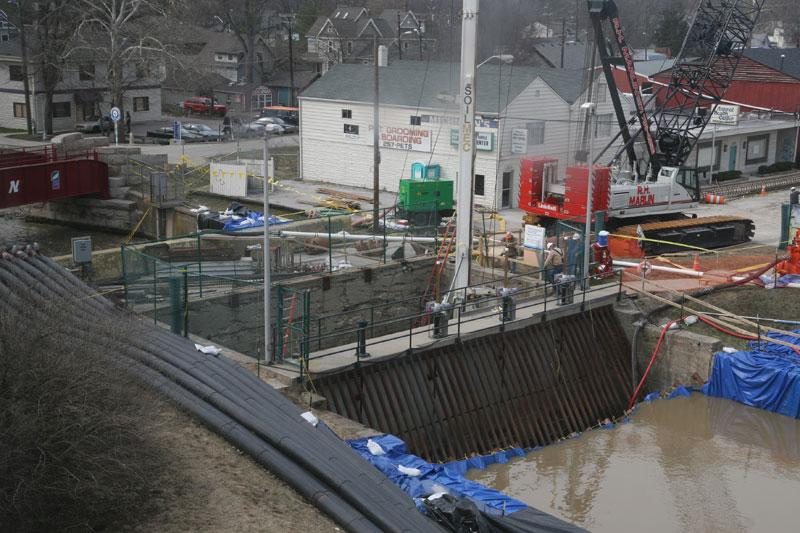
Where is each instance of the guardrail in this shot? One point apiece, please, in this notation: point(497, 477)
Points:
point(500, 301)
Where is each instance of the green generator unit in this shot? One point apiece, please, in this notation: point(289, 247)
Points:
point(425, 199)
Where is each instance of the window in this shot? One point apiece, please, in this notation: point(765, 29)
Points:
point(602, 126)
point(141, 103)
point(331, 48)
point(757, 148)
point(19, 110)
point(405, 46)
point(347, 113)
point(15, 73)
point(647, 88)
point(142, 70)
point(351, 129)
point(535, 133)
point(704, 156)
point(600, 97)
point(479, 185)
point(86, 72)
point(61, 110)
point(415, 120)
point(349, 47)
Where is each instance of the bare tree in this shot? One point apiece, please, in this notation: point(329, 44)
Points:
point(120, 34)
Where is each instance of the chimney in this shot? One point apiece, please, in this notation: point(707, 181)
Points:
point(383, 56)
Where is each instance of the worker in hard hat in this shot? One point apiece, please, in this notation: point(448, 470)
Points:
point(511, 251)
point(554, 262)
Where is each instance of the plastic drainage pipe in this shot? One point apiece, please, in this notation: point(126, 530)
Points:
point(343, 235)
point(693, 273)
point(307, 485)
point(363, 497)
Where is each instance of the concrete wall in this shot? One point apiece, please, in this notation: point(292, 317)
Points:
point(682, 354)
point(236, 319)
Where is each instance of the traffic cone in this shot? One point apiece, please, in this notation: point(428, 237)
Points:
point(763, 190)
point(696, 265)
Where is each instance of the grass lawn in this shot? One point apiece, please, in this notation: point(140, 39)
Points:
point(10, 130)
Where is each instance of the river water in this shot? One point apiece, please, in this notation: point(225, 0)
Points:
point(53, 239)
point(686, 464)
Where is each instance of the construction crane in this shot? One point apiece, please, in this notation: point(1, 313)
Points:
point(649, 201)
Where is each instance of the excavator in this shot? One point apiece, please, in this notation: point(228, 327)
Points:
point(646, 196)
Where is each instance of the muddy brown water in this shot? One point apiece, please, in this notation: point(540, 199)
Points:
point(686, 464)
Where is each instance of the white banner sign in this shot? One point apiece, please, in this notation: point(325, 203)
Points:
point(725, 114)
point(534, 237)
point(410, 138)
point(228, 179)
point(519, 140)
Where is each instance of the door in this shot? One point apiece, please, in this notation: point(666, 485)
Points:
point(505, 195)
point(732, 158)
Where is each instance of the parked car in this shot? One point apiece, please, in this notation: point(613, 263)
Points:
point(93, 124)
point(201, 129)
point(163, 135)
point(287, 114)
point(287, 128)
point(201, 104)
point(242, 128)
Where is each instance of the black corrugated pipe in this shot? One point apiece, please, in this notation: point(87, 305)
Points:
point(707, 290)
point(305, 484)
point(260, 421)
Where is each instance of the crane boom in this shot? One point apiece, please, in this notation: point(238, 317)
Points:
point(701, 74)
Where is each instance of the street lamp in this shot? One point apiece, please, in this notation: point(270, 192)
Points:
point(645, 45)
point(782, 57)
point(590, 108)
point(410, 32)
point(505, 58)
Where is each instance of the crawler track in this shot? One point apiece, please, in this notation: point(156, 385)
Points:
point(705, 232)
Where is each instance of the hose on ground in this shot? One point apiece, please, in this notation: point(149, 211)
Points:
point(702, 292)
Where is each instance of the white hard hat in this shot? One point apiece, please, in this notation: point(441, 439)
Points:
point(549, 245)
point(792, 188)
point(576, 236)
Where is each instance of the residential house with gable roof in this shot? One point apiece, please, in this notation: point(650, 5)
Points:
point(347, 36)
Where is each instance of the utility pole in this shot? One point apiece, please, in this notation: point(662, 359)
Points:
point(267, 293)
point(563, 38)
point(399, 34)
point(26, 81)
point(376, 154)
point(291, 62)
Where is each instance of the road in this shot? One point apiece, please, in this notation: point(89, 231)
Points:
point(198, 153)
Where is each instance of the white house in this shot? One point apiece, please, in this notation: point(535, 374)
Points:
point(521, 111)
point(79, 94)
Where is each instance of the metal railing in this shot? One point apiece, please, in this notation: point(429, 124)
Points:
point(506, 304)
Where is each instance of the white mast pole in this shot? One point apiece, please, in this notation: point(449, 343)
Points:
point(466, 145)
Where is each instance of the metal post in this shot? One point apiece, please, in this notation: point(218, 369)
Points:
point(587, 239)
point(361, 351)
point(376, 154)
point(469, 26)
point(186, 303)
point(267, 296)
point(330, 246)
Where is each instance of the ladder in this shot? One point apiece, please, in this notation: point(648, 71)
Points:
point(432, 286)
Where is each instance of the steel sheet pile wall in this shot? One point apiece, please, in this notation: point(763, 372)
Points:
point(528, 387)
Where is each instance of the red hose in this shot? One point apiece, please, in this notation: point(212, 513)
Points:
point(748, 337)
point(661, 338)
point(652, 360)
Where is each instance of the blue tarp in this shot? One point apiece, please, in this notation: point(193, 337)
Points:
point(433, 478)
point(768, 378)
point(254, 219)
